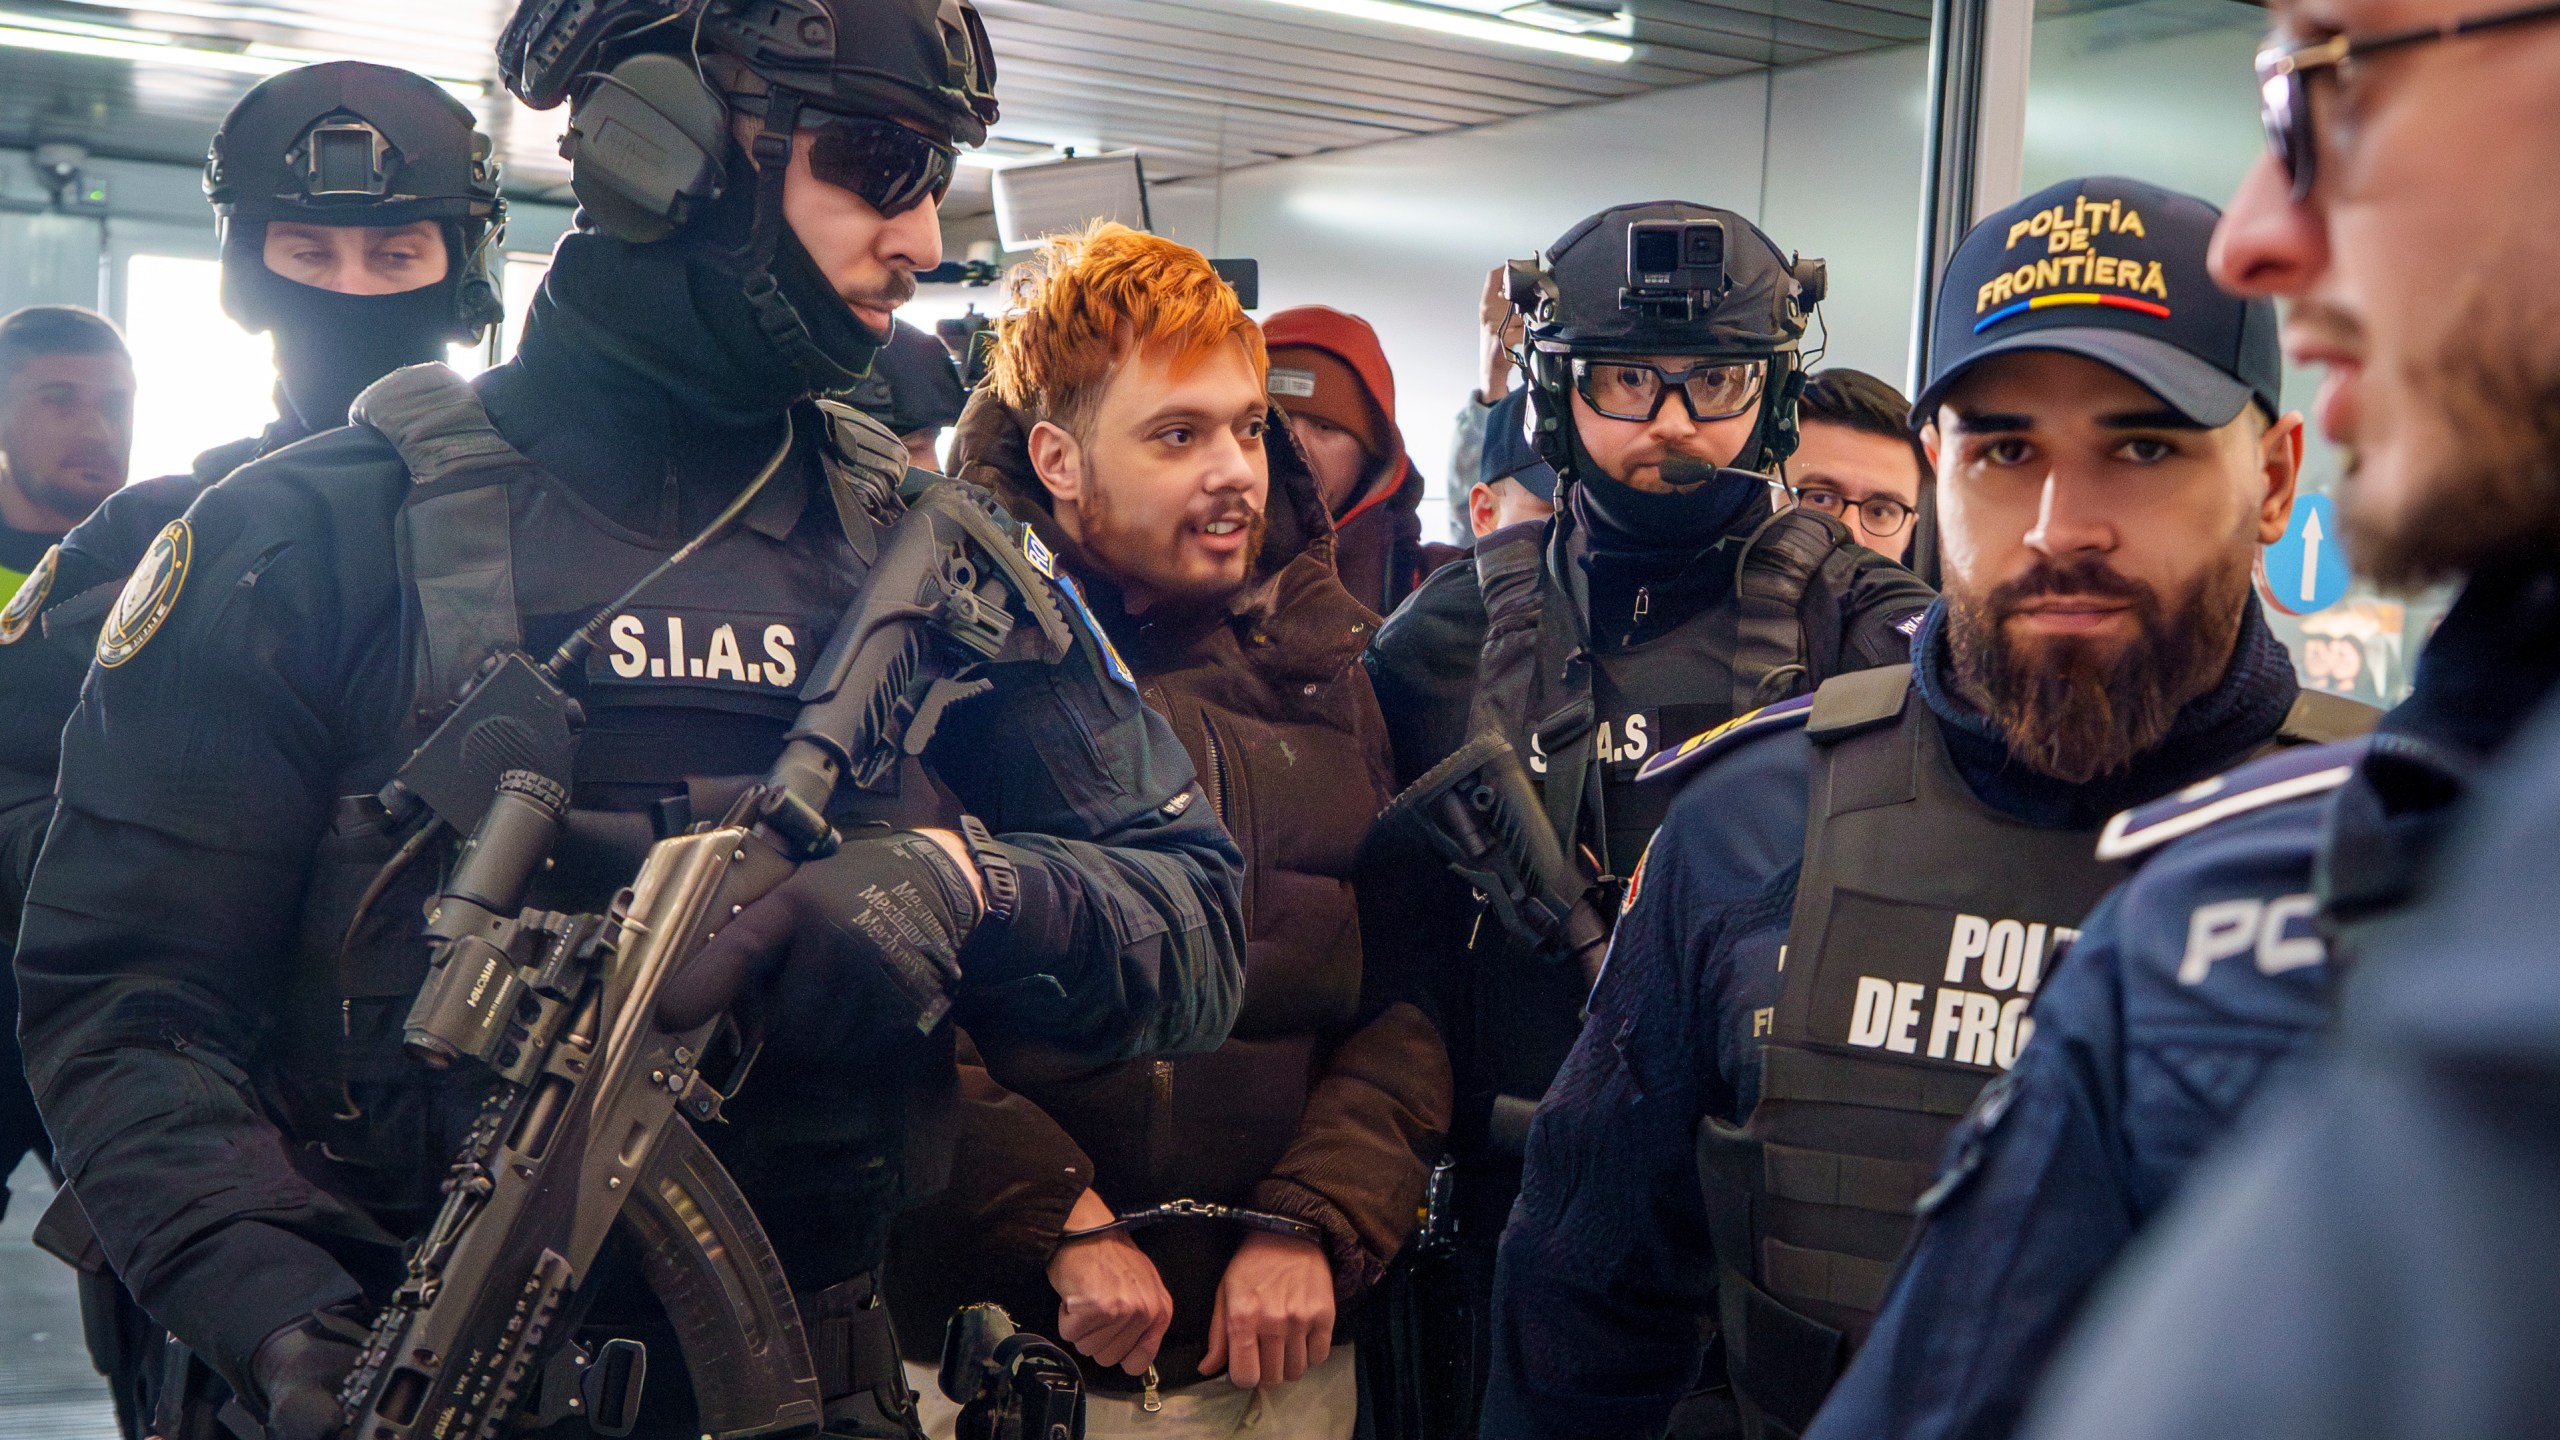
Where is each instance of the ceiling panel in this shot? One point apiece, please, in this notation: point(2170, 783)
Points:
point(1197, 85)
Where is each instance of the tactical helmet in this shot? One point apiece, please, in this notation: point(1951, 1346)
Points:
point(1666, 278)
point(347, 143)
point(928, 60)
point(656, 85)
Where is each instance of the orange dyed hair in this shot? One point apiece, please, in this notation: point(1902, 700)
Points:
point(1092, 297)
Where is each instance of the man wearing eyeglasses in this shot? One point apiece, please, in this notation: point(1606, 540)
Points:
point(223, 937)
point(2373, 1255)
point(1857, 460)
point(1664, 361)
point(1856, 896)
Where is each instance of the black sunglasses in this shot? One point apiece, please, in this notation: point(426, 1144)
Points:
point(894, 169)
point(2284, 92)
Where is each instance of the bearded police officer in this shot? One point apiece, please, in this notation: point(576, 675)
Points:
point(222, 937)
point(1663, 597)
point(1837, 933)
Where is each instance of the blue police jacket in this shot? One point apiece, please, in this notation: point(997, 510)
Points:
point(2373, 1254)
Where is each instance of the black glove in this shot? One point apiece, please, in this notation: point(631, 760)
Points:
point(896, 908)
point(298, 1369)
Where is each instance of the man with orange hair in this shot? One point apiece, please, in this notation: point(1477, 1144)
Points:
point(1197, 1229)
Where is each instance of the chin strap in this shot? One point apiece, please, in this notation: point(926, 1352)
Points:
point(780, 320)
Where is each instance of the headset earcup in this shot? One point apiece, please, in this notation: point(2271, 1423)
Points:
point(1783, 429)
point(645, 146)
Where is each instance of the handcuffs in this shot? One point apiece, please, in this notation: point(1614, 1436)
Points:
point(1189, 1209)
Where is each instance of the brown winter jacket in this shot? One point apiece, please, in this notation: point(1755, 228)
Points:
point(1334, 1092)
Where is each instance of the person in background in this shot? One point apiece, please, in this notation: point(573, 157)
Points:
point(1330, 377)
point(914, 388)
point(1858, 462)
point(1498, 331)
point(66, 432)
point(1125, 418)
point(1514, 483)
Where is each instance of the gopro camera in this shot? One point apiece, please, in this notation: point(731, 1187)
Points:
point(1672, 265)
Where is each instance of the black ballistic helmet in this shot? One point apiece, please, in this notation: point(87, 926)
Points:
point(347, 143)
point(657, 84)
point(925, 60)
point(1666, 278)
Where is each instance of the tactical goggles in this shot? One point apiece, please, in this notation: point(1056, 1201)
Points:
point(2284, 80)
point(894, 169)
point(1634, 389)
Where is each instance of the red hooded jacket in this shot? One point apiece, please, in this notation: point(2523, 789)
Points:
point(1380, 554)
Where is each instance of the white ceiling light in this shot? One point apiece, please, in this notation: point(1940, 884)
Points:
point(152, 47)
point(1472, 27)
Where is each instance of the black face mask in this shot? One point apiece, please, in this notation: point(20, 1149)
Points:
point(1622, 519)
point(329, 346)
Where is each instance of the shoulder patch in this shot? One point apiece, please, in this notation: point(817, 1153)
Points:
point(1698, 749)
point(148, 596)
point(2270, 780)
point(1111, 660)
point(1909, 625)
point(20, 615)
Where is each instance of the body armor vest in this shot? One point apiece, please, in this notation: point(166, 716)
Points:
point(1586, 724)
point(686, 699)
point(1924, 923)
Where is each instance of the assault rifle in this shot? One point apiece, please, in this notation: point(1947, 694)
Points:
point(589, 1125)
point(1478, 811)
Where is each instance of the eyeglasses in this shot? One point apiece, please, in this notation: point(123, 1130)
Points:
point(894, 169)
point(1878, 515)
point(2284, 91)
point(1634, 390)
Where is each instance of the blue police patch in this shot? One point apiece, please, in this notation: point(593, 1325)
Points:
point(1111, 660)
point(2270, 780)
point(1698, 749)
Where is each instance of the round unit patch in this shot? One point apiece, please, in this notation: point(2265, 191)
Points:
point(23, 607)
point(148, 597)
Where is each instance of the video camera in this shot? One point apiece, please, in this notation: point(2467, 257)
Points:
point(1675, 268)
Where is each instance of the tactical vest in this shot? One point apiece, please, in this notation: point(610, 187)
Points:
point(1585, 725)
point(1924, 923)
point(686, 699)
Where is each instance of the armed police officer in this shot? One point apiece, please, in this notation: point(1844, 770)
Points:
point(1855, 895)
point(223, 939)
point(358, 215)
point(1663, 349)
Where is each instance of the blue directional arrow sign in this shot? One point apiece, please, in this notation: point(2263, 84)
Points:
point(2306, 571)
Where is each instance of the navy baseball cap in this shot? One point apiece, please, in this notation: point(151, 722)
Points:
point(1510, 453)
point(2113, 270)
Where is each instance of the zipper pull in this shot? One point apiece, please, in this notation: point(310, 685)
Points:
point(1644, 601)
point(1148, 1399)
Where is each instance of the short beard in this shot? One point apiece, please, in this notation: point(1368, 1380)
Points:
point(2489, 393)
point(2064, 707)
point(1119, 547)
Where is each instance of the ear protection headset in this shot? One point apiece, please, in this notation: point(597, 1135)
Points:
point(648, 146)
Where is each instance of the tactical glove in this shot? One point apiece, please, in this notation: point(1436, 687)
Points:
point(297, 1370)
point(895, 908)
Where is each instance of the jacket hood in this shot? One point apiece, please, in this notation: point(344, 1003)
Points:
point(1293, 571)
point(1350, 339)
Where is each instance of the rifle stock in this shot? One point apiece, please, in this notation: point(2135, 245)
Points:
point(589, 1123)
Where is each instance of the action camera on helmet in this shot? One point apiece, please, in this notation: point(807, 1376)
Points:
point(1675, 268)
